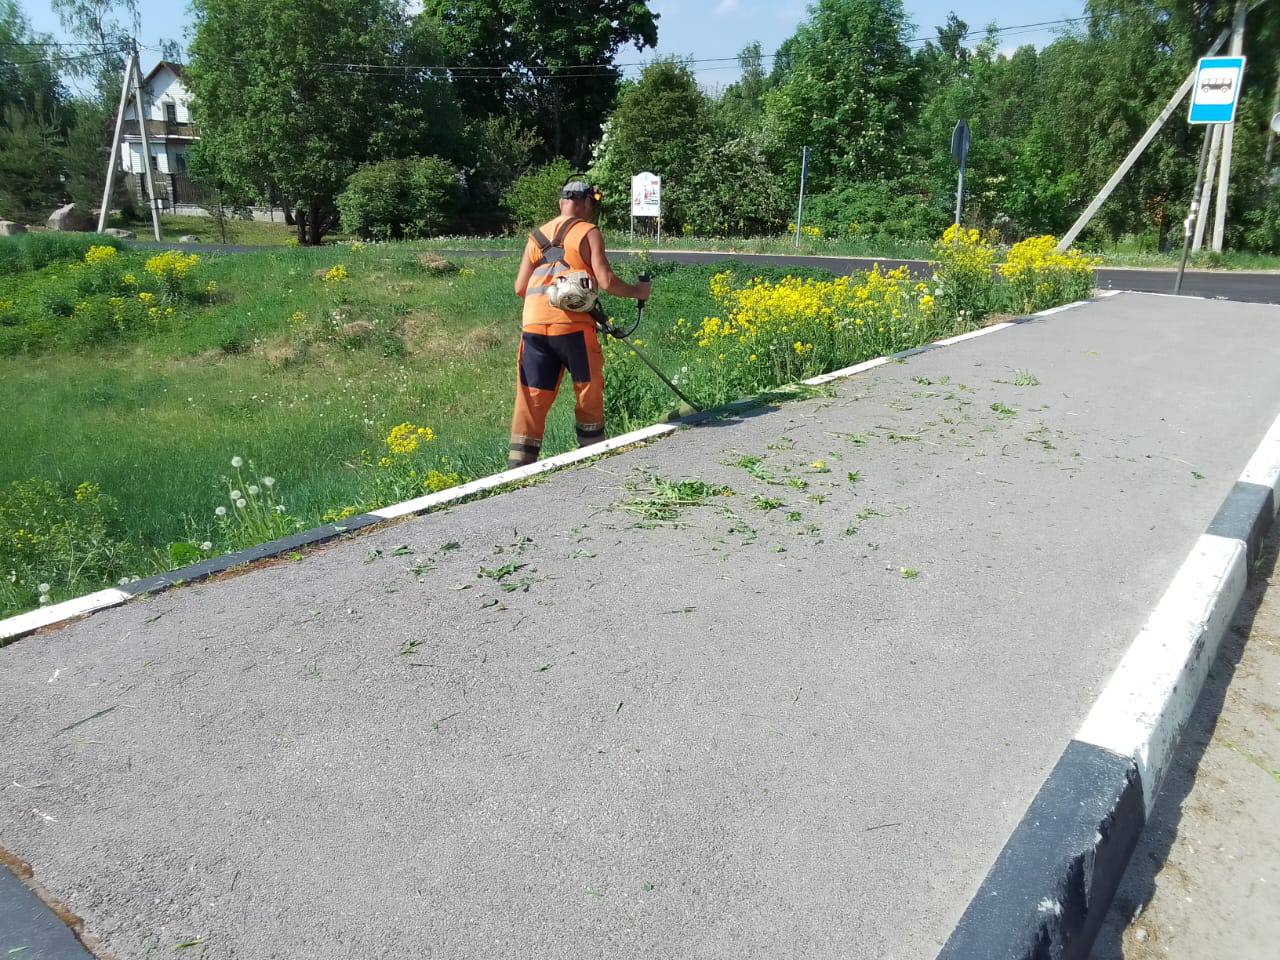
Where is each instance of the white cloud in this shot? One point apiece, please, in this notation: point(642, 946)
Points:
point(726, 7)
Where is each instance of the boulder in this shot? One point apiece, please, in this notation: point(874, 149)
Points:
point(188, 238)
point(71, 219)
point(10, 229)
point(120, 234)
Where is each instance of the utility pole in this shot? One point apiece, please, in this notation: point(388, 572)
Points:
point(1228, 137)
point(1206, 191)
point(804, 173)
point(140, 113)
point(1109, 187)
point(1272, 130)
point(1192, 213)
point(108, 191)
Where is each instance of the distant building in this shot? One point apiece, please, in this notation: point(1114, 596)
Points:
point(167, 106)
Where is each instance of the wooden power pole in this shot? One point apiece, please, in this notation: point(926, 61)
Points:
point(1228, 137)
point(108, 191)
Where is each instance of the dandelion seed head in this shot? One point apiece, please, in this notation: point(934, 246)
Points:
point(235, 495)
point(253, 490)
point(44, 588)
point(237, 462)
point(221, 511)
point(268, 482)
point(242, 503)
point(206, 546)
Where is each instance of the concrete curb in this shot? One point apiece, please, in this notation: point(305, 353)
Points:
point(24, 624)
point(1051, 886)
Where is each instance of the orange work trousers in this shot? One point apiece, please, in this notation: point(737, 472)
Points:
point(547, 350)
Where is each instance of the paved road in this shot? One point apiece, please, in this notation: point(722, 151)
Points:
point(802, 731)
point(1221, 284)
point(1203, 883)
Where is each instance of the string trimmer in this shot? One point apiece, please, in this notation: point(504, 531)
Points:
point(618, 333)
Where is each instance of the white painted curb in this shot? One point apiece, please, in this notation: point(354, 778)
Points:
point(1144, 706)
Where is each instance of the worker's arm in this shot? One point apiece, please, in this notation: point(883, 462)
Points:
point(524, 273)
point(607, 280)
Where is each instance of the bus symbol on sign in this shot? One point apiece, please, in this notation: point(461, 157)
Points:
point(1217, 90)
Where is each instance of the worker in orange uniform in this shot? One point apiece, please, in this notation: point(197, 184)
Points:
point(561, 273)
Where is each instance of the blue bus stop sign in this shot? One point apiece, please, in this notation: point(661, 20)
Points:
point(1217, 90)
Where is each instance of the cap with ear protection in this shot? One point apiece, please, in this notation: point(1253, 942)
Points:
point(581, 190)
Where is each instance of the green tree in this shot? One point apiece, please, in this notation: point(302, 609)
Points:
point(741, 107)
point(111, 25)
point(553, 61)
point(659, 126)
point(850, 89)
point(531, 199)
point(276, 114)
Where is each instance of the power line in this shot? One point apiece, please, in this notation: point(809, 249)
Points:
point(581, 71)
point(458, 70)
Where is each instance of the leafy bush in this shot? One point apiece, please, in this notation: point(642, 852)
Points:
point(1039, 277)
point(731, 191)
point(966, 284)
point(532, 199)
point(394, 199)
point(33, 251)
point(874, 209)
point(52, 539)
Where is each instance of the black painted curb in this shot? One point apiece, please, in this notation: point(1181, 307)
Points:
point(1048, 893)
point(1050, 888)
point(28, 928)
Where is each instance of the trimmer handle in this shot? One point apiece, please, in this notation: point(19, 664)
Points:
point(644, 278)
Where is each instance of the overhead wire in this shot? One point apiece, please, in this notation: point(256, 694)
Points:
point(506, 72)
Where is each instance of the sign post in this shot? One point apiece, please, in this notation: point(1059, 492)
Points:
point(646, 199)
point(1215, 94)
point(960, 154)
point(804, 175)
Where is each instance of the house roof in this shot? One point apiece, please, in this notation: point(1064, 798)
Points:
point(175, 67)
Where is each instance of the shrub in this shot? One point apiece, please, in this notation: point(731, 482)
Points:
point(532, 199)
point(873, 210)
point(731, 191)
point(395, 199)
point(52, 539)
point(1039, 277)
point(966, 283)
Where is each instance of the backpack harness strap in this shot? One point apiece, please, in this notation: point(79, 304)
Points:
point(551, 262)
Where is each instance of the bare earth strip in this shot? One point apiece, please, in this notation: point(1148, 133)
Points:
point(803, 731)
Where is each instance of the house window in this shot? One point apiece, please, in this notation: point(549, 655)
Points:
point(170, 112)
point(155, 163)
point(180, 162)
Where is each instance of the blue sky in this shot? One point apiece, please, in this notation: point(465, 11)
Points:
point(697, 28)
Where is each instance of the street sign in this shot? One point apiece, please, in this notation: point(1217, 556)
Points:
point(646, 195)
point(1275, 123)
point(1216, 90)
point(960, 142)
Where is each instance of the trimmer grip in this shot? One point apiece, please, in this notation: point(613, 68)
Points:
point(643, 278)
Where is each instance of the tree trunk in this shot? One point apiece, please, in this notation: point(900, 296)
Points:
point(300, 221)
point(317, 228)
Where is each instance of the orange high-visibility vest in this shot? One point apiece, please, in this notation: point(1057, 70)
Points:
point(537, 309)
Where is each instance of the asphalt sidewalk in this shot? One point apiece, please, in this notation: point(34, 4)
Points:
point(555, 723)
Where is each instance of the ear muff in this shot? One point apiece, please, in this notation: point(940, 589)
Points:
point(596, 195)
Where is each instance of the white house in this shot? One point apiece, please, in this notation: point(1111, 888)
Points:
point(167, 108)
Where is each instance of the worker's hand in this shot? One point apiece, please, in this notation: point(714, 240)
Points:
point(643, 289)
